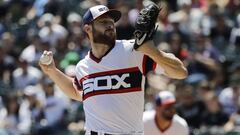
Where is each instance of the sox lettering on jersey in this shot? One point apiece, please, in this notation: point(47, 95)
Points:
point(93, 84)
point(111, 82)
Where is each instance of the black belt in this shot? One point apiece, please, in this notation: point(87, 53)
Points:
point(96, 133)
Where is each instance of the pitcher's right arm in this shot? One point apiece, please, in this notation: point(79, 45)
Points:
point(64, 82)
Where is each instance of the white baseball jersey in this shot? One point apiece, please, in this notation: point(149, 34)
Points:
point(113, 95)
point(178, 126)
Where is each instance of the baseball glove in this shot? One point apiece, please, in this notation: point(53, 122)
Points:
point(145, 24)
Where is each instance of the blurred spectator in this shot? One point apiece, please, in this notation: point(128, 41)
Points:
point(51, 31)
point(25, 75)
point(174, 27)
point(173, 6)
point(177, 47)
point(207, 20)
point(229, 96)
point(189, 107)
point(124, 27)
point(232, 52)
point(205, 60)
point(76, 114)
point(79, 44)
point(34, 49)
point(235, 34)
point(76, 117)
point(203, 88)
point(163, 120)
point(191, 15)
point(74, 21)
point(154, 83)
point(163, 23)
point(232, 8)
point(52, 116)
point(234, 121)
point(8, 57)
point(11, 120)
point(70, 58)
point(38, 7)
point(77, 41)
point(29, 109)
point(220, 33)
point(2, 117)
point(214, 118)
point(70, 70)
point(4, 6)
point(7, 65)
point(213, 115)
point(133, 12)
point(8, 45)
point(54, 7)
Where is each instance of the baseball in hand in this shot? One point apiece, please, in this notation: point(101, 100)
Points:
point(46, 59)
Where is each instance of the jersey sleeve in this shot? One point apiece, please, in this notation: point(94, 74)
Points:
point(76, 84)
point(145, 63)
point(76, 81)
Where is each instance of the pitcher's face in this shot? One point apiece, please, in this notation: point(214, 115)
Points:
point(104, 31)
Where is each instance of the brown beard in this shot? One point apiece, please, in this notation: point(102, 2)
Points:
point(108, 37)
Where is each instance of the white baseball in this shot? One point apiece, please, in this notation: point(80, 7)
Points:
point(46, 59)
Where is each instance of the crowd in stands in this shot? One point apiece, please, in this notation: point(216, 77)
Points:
point(204, 34)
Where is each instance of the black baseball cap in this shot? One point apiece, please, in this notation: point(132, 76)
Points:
point(99, 10)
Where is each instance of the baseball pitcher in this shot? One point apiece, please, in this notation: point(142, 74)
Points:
point(110, 79)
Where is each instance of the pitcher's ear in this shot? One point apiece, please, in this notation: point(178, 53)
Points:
point(87, 28)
